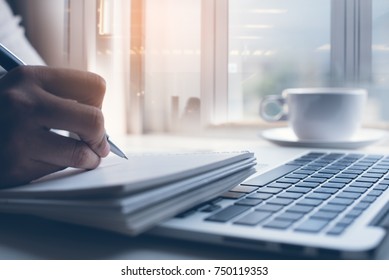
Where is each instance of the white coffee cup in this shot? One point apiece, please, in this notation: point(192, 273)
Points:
point(325, 114)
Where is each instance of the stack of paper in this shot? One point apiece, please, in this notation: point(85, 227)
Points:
point(130, 196)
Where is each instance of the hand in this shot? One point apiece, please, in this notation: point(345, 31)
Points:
point(35, 99)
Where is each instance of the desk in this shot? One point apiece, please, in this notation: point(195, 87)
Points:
point(24, 237)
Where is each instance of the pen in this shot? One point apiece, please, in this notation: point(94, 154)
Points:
point(8, 61)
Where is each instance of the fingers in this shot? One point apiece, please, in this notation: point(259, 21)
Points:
point(84, 120)
point(35, 99)
point(51, 148)
point(85, 87)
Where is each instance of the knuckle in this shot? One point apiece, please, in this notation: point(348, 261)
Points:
point(97, 120)
point(23, 72)
point(26, 74)
point(99, 85)
point(80, 155)
point(16, 104)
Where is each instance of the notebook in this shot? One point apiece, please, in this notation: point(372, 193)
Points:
point(130, 196)
point(314, 204)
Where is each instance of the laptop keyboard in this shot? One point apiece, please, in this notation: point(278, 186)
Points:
point(316, 193)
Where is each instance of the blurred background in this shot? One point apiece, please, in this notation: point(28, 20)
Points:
point(182, 65)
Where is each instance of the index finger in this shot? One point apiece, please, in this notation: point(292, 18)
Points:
point(85, 87)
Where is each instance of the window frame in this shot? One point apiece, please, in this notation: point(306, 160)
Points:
point(214, 61)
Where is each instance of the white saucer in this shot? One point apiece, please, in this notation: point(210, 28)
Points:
point(286, 137)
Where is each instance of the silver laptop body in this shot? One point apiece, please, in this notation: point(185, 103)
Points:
point(326, 219)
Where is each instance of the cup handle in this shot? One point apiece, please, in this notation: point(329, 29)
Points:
point(277, 100)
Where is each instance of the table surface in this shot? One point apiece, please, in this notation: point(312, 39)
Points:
point(26, 237)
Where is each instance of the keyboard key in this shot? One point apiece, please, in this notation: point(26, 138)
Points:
point(232, 195)
point(351, 195)
point(334, 155)
point(307, 185)
point(312, 225)
point(334, 185)
point(333, 208)
point(322, 175)
point(311, 168)
point(373, 157)
point(248, 202)
point(253, 218)
point(354, 189)
point(361, 185)
point(298, 162)
point(372, 175)
point(369, 199)
point(269, 207)
point(323, 162)
point(362, 205)
point(336, 230)
point(269, 190)
point(381, 187)
point(292, 216)
point(315, 180)
point(288, 180)
point(305, 172)
point(186, 213)
point(354, 213)
point(325, 215)
point(335, 166)
point(299, 190)
point(326, 190)
point(270, 176)
point(309, 202)
point(378, 171)
point(278, 224)
point(347, 176)
point(367, 180)
point(291, 195)
point(209, 208)
point(279, 185)
point(354, 171)
point(280, 201)
point(320, 163)
point(296, 176)
point(315, 154)
point(262, 196)
point(346, 221)
point(330, 171)
point(340, 180)
point(375, 192)
point(300, 209)
point(228, 213)
point(321, 196)
point(385, 181)
point(341, 201)
point(244, 189)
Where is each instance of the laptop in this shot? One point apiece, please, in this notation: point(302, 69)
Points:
point(308, 203)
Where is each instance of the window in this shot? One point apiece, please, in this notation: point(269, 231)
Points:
point(211, 61)
point(278, 44)
point(172, 43)
point(273, 45)
point(178, 63)
point(380, 58)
